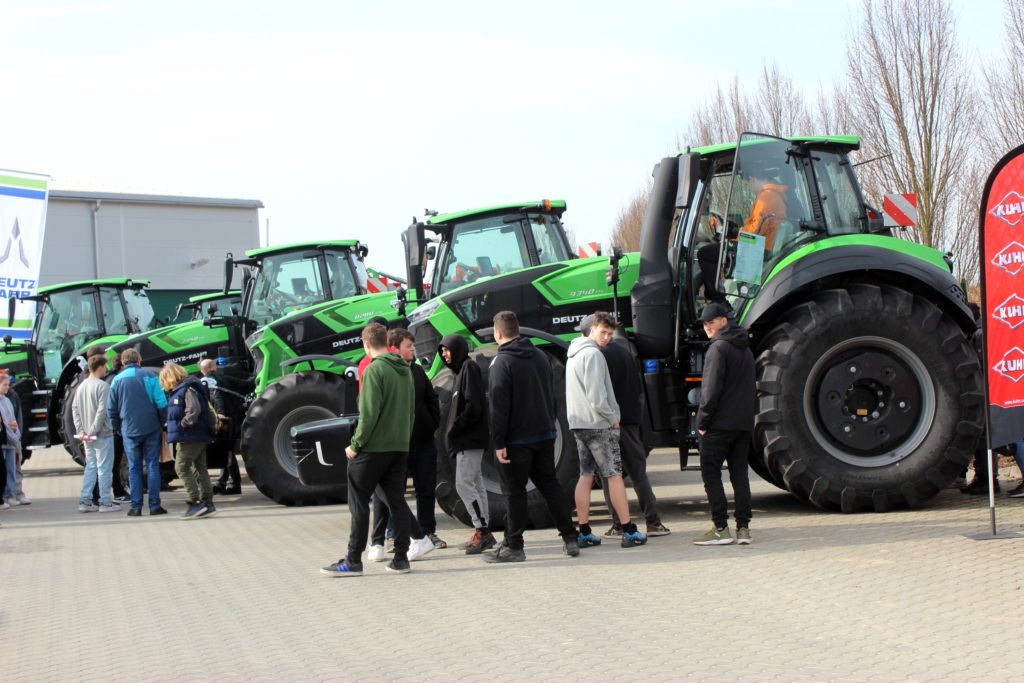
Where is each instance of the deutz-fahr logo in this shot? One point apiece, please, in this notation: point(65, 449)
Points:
point(1010, 311)
point(1011, 365)
point(1010, 209)
point(1010, 258)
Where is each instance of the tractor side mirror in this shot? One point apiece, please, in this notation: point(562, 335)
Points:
point(229, 271)
point(11, 304)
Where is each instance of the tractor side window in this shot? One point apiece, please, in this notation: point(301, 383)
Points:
point(285, 283)
point(114, 319)
point(340, 270)
point(547, 237)
point(839, 197)
point(482, 248)
point(140, 310)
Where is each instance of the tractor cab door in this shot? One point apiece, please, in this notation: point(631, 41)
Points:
point(768, 213)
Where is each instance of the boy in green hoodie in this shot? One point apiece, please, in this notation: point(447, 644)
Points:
point(378, 452)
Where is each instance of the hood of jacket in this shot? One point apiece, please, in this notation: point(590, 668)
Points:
point(459, 349)
point(395, 363)
point(735, 335)
point(519, 347)
point(579, 344)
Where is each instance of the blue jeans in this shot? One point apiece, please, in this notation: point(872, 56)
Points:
point(11, 464)
point(99, 462)
point(1018, 455)
point(138, 448)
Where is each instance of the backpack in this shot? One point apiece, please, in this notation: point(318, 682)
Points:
point(213, 421)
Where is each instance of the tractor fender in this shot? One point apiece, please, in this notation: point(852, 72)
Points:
point(864, 263)
point(72, 369)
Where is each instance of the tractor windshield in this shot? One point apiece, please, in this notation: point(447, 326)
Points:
point(65, 321)
point(136, 302)
point(289, 281)
point(493, 246)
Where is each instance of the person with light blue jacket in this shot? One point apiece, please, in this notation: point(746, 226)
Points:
point(137, 408)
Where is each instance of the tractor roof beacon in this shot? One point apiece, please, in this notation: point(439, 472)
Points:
point(869, 386)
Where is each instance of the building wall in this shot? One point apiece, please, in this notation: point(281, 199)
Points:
point(177, 243)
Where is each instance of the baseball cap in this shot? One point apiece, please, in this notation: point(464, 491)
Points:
point(585, 324)
point(712, 311)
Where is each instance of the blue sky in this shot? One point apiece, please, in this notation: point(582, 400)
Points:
point(348, 119)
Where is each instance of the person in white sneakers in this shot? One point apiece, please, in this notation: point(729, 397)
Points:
point(93, 430)
point(10, 438)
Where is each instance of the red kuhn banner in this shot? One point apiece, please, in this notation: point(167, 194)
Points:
point(1001, 238)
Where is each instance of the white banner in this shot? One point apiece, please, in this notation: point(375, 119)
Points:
point(22, 222)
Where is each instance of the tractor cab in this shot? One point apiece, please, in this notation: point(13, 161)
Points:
point(470, 246)
point(211, 305)
point(70, 317)
point(283, 279)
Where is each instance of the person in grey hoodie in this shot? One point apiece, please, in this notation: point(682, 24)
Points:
point(92, 428)
point(594, 420)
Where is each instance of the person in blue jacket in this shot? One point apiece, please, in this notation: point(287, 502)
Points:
point(137, 409)
point(190, 427)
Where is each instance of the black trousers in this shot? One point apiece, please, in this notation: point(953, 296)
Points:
point(230, 475)
point(422, 467)
point(536, 462)
point(717, 448)
point(707, 258)
point(366, 472)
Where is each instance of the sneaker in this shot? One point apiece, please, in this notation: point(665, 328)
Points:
point(158, 511)
point(979, 487)
point(342, 568)
point(135, 512)
point(389, 544)
point(481, 541)
point(208, 511)
point(123, 499)
point(505, 554)
point(419, 548)
point(715, 537)
point(376, 553)
point(113, 507)
point(438, 543)
point(218, 488)
point(4, 505)
point(571, 547)
point(23, 499)
point(743, 536)
point(12, 502)
point(87, 507)
point(588, 540)
point(193, 510)
point(1017, 492)
point(657, 529)
point(634, 539)
point(400, 566)
point(614, 533)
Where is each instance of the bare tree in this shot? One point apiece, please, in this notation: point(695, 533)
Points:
point(912, 98)
point(1004, 88)
point(626, 233)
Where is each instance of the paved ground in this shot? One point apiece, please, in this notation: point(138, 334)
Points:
point(899, 596)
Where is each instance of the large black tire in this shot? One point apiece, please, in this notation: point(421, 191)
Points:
point(857, 366)
point(567, 466)
point(66, 421)
point(266, 434)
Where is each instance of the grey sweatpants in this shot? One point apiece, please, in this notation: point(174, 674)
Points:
point(469, 483)
point(634, 462)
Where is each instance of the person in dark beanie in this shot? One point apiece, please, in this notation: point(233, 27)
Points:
point(725, 421)
point(522, 419)
point(466, 432)
point(378, 452)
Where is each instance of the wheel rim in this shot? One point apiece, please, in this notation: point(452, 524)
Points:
point(865, 391)
point(283, 450)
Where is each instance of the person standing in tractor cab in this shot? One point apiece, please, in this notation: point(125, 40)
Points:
point(725, 421)
point(522, 413)
point(769, 209)
point(466, 434)
point(190, 426)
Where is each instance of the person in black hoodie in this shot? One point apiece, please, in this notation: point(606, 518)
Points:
point(466, 432)
point(522, 420)
point(725, 421)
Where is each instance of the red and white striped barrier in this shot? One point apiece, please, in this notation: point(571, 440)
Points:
point(589, 249)
point(899, 210)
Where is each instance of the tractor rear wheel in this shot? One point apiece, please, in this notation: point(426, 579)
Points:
point(266, 435)
point(870, 397)
point(567, 467)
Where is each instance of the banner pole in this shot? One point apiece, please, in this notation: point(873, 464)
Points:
point(992, 489)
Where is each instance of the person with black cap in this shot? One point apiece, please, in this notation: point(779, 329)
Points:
point(725, 421)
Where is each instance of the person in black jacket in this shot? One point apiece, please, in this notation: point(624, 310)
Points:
point(522, 419)
point(466, 432)
point(725, 421)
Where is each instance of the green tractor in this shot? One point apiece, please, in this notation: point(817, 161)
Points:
point(299, 303)
point(69, 318)
point(869, 388)
point(517, 258)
